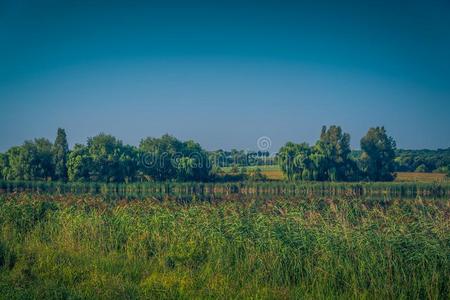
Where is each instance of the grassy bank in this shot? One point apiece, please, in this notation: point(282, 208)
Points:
point(83, 247)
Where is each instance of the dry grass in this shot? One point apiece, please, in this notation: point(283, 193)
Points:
point(274, 173)
point(420, 177)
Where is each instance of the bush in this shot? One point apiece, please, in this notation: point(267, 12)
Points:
point(421, 169)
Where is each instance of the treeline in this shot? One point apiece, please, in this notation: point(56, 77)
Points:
point(423, 160)
point(106, 159)
point(330, 158)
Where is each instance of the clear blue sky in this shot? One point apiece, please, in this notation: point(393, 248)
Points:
point(225, 72)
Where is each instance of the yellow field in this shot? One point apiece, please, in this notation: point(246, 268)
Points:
point(423, 177)
point(274, 173)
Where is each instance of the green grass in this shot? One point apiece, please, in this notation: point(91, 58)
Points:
point(81, 247)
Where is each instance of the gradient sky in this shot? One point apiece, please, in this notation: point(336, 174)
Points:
point(225, 73)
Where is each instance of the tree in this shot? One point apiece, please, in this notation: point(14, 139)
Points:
point(167, 158)
point(293, 159)
point(31, 161)
point(104, 158)
point(197, 166)
point(79, 164)
point(160, 155)
point(328, 160)
point(378, 155)
point(334, 162)
point(60, 153)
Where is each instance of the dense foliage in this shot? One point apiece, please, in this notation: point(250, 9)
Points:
point(168, 158)
point(106, 159)
point(378, 154)
point(423, 160)
point(330, 158)
point(293, 248)
point(31, 161)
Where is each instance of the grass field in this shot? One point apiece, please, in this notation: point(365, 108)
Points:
point(420, 177)
point(273, 172)
point(81, 247)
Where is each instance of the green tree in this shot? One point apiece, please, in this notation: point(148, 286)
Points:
point(333, 162)
point(79, 164)
point(31, 161)
point(199, 166)
point(293, 159)
point(167, 158)
point(60, 153)
point(159, 157)
point(378, 155)
point(328, 160)
point(104, 159)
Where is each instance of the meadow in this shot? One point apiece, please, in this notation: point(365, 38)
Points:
point(56, 246)
point(274, 173)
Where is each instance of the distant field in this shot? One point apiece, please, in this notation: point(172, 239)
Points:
point(422, 177)
point(274, 173)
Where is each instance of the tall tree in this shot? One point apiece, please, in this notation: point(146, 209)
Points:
point(60, 153)
point(332, 156)
point(378, 155)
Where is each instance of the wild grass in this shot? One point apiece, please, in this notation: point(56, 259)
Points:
point(212, 191)
point(82, 247)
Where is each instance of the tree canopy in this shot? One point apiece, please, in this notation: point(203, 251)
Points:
point(328, 160)
point(378, 155)
point(168, 158)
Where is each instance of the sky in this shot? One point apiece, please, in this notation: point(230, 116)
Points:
point(225, 73)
